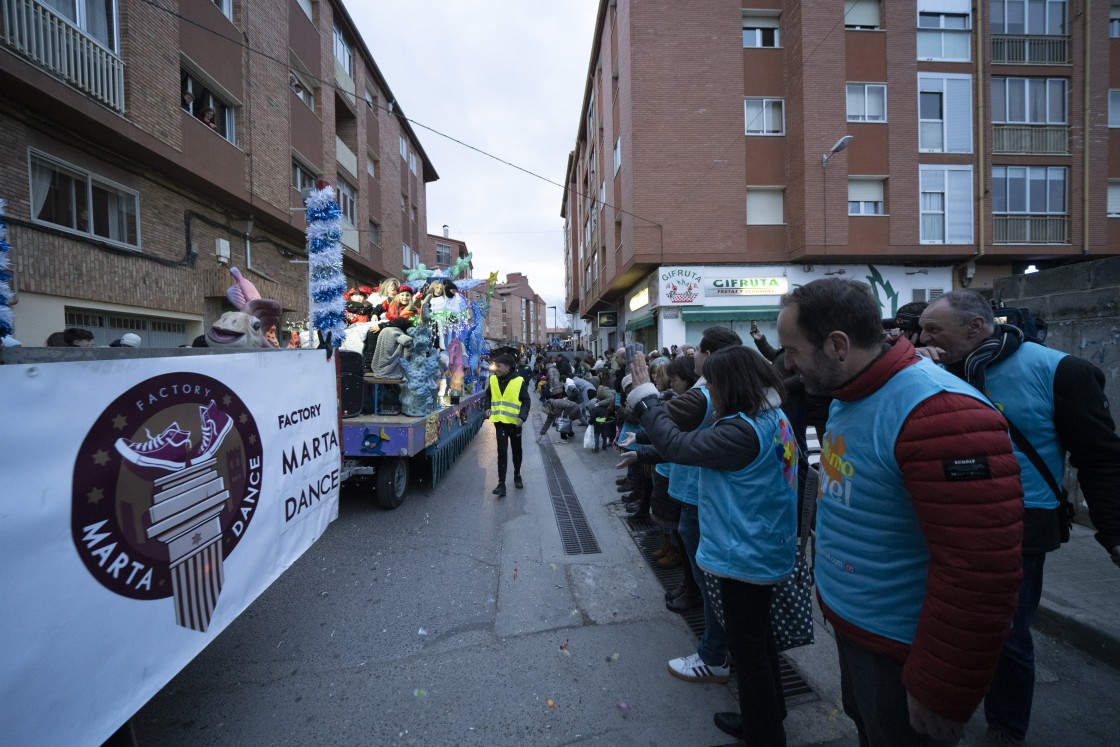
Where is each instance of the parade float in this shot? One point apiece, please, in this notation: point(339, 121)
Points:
point(151, 495)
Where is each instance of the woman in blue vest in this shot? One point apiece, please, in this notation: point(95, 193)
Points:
point(748, 515)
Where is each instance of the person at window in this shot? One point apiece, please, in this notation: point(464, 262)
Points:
point(296, 86)
point(188, 101)
point(208, 115)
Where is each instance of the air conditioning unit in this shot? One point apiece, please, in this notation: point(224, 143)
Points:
point(221, 250)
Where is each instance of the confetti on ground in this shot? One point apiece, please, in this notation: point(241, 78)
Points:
point(574, 613)
point(419, 693)
point(612, 657)
point(550, 703)
point(422, 631)
point(552, 566)
point(624, 708)
point(514, 574)
point(564, 647)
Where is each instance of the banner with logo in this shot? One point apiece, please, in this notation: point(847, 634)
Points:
point(146, 504)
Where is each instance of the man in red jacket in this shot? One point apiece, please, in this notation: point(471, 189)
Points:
point(919, 522)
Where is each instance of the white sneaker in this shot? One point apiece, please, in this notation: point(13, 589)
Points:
point(693, 669)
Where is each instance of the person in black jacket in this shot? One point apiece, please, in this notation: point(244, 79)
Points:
point(1054, 403)
point(506, 403)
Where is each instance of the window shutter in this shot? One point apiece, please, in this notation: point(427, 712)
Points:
point(958, 206)
point(945, 6)
point(865, 190)
point(958, 115)
point(1114, 13)
point(861, 13)
point(760, 21)
point(764, 207)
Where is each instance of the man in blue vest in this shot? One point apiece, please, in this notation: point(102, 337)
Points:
point(1054, 403)
point(507, 405)
point(919, 520)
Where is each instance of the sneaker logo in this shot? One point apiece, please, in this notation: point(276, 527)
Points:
point(165, 485)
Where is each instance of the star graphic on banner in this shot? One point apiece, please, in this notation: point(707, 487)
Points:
point(120, 422)
point(94, 496)
point(101, 458)
point(196, 538)
point(226, 400)
point(252, 439)
point(243, 419)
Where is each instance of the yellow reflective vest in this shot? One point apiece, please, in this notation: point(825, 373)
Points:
point(505, 407)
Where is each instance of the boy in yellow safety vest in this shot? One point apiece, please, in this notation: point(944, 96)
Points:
point(507, 405)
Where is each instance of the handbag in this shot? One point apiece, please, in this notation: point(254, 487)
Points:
point(791, 601)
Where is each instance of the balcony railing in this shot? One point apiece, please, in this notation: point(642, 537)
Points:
point(1016, 49)
point(1050, 140)
point(1031, 229)
point(36, 32)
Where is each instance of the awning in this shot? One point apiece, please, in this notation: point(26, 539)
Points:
point(645, 320)
point(730, 314)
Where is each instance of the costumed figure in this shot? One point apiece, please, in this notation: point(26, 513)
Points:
point(445, 309)
point(253, 325)
point(384, 345)
point(456, 365)
point(358, 307)
point(420, 390)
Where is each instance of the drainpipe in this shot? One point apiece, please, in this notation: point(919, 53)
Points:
point(1085, 138)
point(982, 129)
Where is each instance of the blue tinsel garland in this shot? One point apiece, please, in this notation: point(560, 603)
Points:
point(5, 277)
point(326, 282)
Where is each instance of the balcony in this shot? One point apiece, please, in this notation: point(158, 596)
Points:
point(1017, 49)
point(1040, 140)
point(1030, 229)
point(37, 33)
point(345, 157)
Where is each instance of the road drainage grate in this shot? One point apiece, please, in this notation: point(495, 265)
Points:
point(576, 535)
point(647, 536)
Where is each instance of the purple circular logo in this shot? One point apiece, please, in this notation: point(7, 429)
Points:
point(165, 485)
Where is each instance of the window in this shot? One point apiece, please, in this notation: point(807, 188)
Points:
point(764, 206)
point(760, 29)
point(764, 116)
point(302, 86)
point(208, 107)
point(375, 233)
point(617, 154)
point(406, 256)
point(348, 201)
point(1114, 199)
point(404, 147)
point(602, 194)
point(861, 14)
point(943, 29)
point(414, 213)
point(865, 196)
point(371, 165)
point(78, 201)
point(305, 6)
point(1030, 17)
point(412, 162)
point(1032, 190)
point(945, 113)
point(945, 204)
point(1114, 21)
point(371, 101)
point(342, 52)
point(443, 254)
point(1036, 101)
point(95, 18)
point(404, 203)
point(225, 6)
point(1114, 108)
point(867, 102)
point(302, 177)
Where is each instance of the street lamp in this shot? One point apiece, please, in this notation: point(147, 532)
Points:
point(840, 145)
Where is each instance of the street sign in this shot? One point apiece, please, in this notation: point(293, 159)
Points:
point(607, 319)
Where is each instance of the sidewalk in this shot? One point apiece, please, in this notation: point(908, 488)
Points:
point(1081, 598)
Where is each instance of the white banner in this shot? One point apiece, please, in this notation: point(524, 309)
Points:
point(146, 504)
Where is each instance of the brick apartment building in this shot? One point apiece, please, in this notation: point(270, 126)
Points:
point(517, 314)
point(441, 251)
point(126, 208)
point(727, 151)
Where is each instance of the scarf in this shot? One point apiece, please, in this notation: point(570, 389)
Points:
point(999, 346)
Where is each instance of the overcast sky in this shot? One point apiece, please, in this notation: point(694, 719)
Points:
point(507, 77)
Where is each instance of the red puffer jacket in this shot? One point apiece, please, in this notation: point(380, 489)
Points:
point(974, 539)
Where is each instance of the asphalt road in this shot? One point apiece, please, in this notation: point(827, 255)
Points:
point(457, 619)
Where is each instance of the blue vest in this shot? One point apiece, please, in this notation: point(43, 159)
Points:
point(872, 558)
point(684, 479)
point(748, 518)
point(1022, 388)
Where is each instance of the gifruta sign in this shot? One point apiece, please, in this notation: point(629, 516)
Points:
point(746, 287)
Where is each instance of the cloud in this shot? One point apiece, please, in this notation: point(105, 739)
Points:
point(507, 77)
